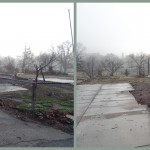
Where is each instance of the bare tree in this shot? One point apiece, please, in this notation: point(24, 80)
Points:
point(126, 72)
point(39, 68)
point(43, 59)
point(89, 66)
point(100, 69)
point(9, 64)
point(79, 56)
point(112, 63)
point(27, 60)
point(139, 60)
point(65, 56)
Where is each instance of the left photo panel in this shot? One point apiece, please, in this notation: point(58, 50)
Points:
point(36, 75)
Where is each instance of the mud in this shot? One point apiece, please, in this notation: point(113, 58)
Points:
point(56, 119)
point(11, 96)
point(141, 92)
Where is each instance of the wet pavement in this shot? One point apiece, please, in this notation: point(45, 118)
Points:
point(10, 88)
point(109, 116)
point(18, 133)
point(58, 80)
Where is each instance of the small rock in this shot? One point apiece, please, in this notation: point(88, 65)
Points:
point(18, 137)
point(114, 127)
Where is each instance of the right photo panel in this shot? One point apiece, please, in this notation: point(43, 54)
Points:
point(113, 75)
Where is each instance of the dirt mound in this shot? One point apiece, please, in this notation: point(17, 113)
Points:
point(141, 92)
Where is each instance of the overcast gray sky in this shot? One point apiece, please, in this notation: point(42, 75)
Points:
point(114, 27)
point(39, 25)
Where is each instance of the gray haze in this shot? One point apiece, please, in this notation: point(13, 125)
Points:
point(38, 25)
point(114, 27)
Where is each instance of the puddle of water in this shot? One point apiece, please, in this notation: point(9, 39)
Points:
point(9, 88)
point(58, 80)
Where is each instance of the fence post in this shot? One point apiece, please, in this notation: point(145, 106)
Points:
point(33, 96)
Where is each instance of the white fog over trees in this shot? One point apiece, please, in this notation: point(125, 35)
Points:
point(94, 64)
point(57, 60)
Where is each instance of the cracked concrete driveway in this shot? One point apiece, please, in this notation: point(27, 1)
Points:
point(109, 116)
point(18, 133)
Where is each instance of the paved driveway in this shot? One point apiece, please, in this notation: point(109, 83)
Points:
point(109, 116)
point(18, 133)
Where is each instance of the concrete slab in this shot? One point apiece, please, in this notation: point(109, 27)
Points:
point(112, 119)
point(82, 108)
point(117, 132)
point(85, 94)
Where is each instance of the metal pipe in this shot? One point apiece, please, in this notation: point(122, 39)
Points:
point(70, 27)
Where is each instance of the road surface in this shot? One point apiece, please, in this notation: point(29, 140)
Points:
point(109, 116)
point(18, 133)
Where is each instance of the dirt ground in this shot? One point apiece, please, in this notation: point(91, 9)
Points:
point(52, 108)
point(141, 92)
point(141, 86)
point(57, 120)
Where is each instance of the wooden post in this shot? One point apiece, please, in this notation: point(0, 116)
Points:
point(33, 96)
point(148, 65)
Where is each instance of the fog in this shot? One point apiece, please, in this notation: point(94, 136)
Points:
point(36, 25)
point(119, 28)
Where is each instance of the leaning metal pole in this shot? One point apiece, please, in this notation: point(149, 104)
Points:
point(70, 27)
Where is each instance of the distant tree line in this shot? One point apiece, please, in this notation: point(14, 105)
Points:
point(56, 60)
point(94, 65)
